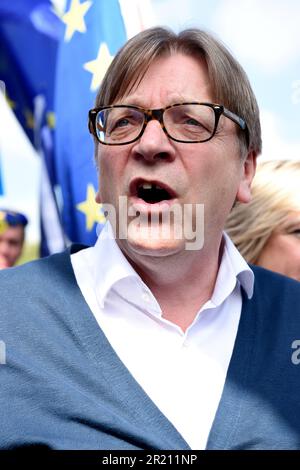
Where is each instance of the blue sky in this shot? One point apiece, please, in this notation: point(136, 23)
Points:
point(262, 34)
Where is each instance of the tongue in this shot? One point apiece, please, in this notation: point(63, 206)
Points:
point(151, 196)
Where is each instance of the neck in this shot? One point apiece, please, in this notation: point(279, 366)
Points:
point(182, 284)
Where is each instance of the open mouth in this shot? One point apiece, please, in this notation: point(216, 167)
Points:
point(151, 192)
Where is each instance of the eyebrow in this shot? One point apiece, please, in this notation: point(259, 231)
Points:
point(291, 223)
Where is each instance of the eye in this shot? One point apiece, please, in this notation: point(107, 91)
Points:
point(117, 123)
point(185, 118)
point(122, 122)
point(192, 122)
point(295, 233)
point(193, 125)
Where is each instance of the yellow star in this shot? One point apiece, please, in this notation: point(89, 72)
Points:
point(50, 117)
point(11, 103)
point(74, 18)
point(29, 119)
point(99, 66)
point(91, 209)
point(3, 223)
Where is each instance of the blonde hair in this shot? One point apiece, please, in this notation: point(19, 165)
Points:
point(275, 194)
point(229, 83)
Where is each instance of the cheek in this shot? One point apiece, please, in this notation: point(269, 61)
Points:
point(111, 177)
point(280, 254)
point(104, 166)
point(275, 249)
point(211, 165)
point(107, 178)
point(295, 251)
point(17, 251)
point(289, 248)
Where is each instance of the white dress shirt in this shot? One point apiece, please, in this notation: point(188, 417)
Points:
point(182, 372)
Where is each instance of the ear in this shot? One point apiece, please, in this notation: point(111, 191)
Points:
point(248, 172)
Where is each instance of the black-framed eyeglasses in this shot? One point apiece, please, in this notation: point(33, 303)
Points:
point(182, 122)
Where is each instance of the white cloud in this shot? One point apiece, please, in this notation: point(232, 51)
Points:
point(176, 14)
point(263, 31)
point(275, 146)
point(137, 15)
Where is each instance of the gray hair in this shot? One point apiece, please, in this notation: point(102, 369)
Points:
point(229, 83)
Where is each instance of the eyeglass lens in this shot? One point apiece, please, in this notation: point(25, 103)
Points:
point(188, 123)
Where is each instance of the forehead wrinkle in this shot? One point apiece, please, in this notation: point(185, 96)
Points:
point(150, 93)
point(173, 98)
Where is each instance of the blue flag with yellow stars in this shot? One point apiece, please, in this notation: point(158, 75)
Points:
point(94, 31)
point(30, 32)
point(53, 55)
point(29, 35)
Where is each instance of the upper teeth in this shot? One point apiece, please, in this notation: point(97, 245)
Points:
point(150, 186)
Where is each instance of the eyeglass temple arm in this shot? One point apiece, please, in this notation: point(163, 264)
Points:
point(239, 121)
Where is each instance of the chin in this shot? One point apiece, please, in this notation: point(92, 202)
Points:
point(153, 241)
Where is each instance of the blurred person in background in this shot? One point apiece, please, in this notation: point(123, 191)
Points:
point(266, 231)
point(12, 236)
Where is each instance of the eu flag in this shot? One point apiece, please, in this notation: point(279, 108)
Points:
point(29, 36)
point(94, 31)
point(30, 32)
point(53, 55)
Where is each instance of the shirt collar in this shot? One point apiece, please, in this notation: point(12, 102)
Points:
point(111, 266)
point(238, 266)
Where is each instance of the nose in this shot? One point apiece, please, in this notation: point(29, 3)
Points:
point(154, 144)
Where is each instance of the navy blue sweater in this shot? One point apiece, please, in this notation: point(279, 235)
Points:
point(64, 387)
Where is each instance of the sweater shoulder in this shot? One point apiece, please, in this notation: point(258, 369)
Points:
point(33, 272)
point(53, 268)
point(276, 299)
point(40, 287)
point(269, 282)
